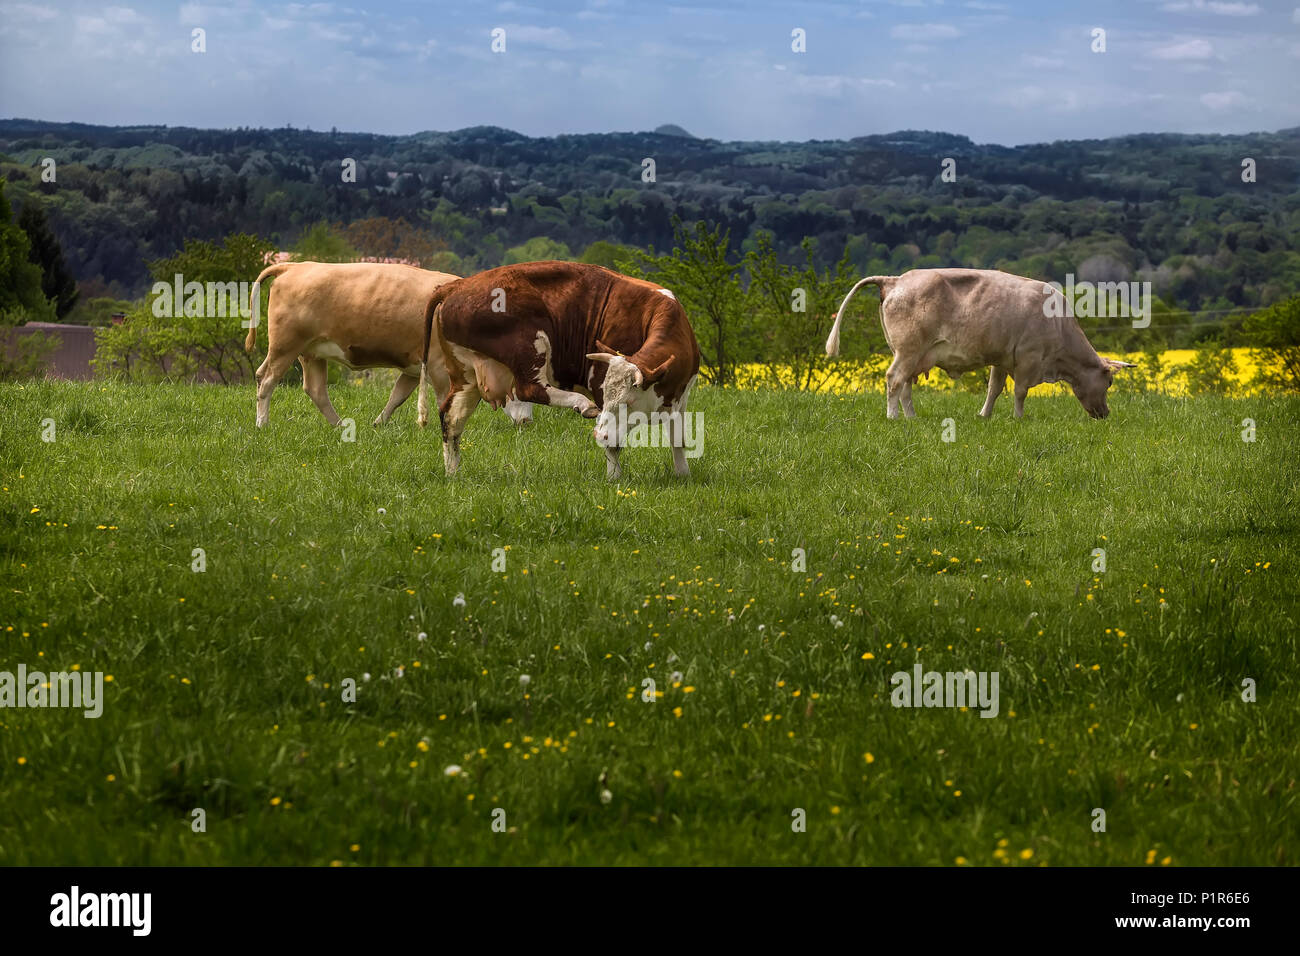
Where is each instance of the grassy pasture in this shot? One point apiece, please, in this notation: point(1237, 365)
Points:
point(326, 560)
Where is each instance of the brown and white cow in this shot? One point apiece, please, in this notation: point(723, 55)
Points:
point(362, 314)
point(562, 333)
point(963, 319)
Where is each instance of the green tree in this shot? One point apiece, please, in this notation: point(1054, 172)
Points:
point(180, 339)
point(324, 243)
point(794, 307)
point(97, 310)
point(1274, 336)
point(1208, 373)
point(237, 258)
point(21, 297)
point(707, 285)
point(57, 280)
point(537, 249)
point(607, 254)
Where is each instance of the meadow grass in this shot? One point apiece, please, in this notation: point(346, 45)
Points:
point(326, 560)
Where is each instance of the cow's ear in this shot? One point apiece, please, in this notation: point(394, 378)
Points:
point(655, 374)
point(602, 357)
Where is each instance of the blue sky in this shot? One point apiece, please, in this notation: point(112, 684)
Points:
point(1003, 71)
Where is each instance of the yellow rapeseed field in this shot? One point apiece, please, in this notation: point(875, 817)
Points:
point(851, 377)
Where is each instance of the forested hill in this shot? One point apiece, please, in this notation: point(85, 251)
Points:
point(1171, 208)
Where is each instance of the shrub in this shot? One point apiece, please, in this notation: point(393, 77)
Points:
point(1274, 337)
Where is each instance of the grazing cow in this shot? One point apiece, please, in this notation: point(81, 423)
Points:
point(964, 319)
point(562, 333)
point(363, 314)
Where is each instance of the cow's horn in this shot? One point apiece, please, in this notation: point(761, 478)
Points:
point(602, 347)
point(656, 373)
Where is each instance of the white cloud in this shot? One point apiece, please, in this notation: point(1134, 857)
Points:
point(1039, 62)
point(1222, 101)
point(27, 11)
point(92, 26)
point(1038, 98)
point(549, 38)
point(1195, 49)
point(122, 15)
point(924, 31)
point(830, 85)
point(1223, 9)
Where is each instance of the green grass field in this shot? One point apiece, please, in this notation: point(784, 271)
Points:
point(325, 561)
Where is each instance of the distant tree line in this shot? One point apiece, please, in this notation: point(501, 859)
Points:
point(759, 240)
point(1169, 208)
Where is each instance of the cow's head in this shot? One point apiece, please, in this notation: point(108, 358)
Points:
point(1092, 382)
point(628, 383)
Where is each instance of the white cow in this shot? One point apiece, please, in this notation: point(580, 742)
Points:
point(963, 319)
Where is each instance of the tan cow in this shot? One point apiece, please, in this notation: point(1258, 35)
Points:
point(963, 319)
point(362, 314)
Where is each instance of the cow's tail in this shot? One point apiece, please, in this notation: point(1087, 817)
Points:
point(833, 340)
point(430, 312)
point(255, 306)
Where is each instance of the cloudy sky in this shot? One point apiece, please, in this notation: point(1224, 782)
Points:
point(1005, 71)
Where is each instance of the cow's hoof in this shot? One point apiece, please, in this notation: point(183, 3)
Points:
point(591, 411)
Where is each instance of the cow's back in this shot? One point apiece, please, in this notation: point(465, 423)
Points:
point(371, 311)
point(980, 315)
point(368, 287)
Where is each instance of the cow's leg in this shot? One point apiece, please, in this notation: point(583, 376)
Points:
point(905, 398)
point(402, 390)
point(315, 377)
point(895, 379)
point(269, 372)
point(578, 402)
point(677, 437)
point(550, 395)
point(680, 467)
point(454, 413)
point(997, 382)
point(1022, 389)
point(612, 470)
